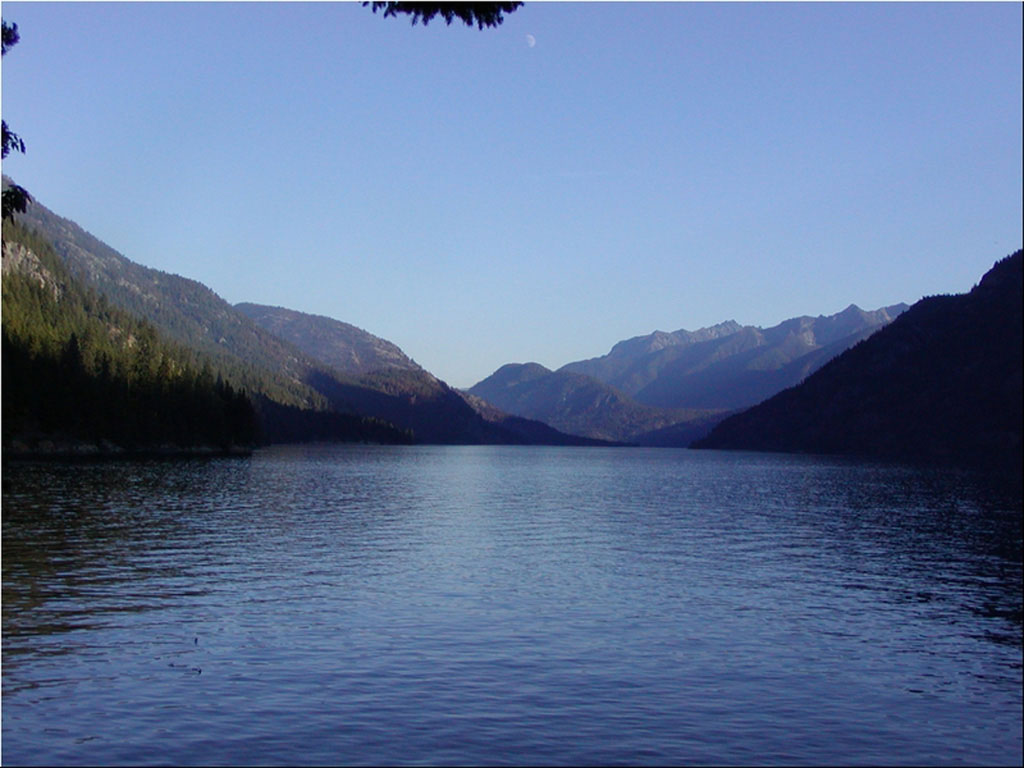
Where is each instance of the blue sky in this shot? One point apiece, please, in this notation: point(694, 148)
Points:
point(479, 200)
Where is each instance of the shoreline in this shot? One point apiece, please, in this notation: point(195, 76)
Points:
point(64, 449)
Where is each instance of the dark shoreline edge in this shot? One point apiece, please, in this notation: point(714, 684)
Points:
point(67, 450)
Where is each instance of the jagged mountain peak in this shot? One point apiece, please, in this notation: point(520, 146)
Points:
point(658, 340)
point(716, 331)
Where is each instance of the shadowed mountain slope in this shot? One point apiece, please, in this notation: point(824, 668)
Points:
point(941, 383)
point(391, 386)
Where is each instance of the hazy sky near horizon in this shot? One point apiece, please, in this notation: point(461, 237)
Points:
point(584, 173)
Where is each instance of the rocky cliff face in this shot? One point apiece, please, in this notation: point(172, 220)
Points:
point(19, 259)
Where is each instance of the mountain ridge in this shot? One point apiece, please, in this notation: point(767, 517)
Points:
point(341, 345)
point(942, 383)
point(266, 365)
point(635, 364)
point(670, 388)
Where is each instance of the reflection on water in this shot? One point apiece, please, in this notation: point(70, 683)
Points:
point(361, 604)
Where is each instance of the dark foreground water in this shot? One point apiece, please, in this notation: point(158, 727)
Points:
point(509, 605)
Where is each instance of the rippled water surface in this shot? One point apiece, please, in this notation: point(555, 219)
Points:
point(447, 605)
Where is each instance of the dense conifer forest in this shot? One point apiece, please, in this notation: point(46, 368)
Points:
point(83, 375)
point(77, 370)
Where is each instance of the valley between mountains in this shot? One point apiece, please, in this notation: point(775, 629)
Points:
point(309, 377)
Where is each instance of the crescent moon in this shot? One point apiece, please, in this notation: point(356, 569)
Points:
point(531, 40)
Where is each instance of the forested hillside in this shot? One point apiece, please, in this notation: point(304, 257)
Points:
point(942, 383)
point(81, 375)
point(297, 394)
point(183, 309)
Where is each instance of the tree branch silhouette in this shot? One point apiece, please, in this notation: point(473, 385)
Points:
point(15, 198)
point(481, 14)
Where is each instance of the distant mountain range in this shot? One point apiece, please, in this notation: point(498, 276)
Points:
point(295, 365)
point(942, 383)
point(729, 366)
point(669, 388)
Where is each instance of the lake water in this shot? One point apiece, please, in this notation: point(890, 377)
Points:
point(499, 605)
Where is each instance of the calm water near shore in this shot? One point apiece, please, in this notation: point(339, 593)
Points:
point(509, 605)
